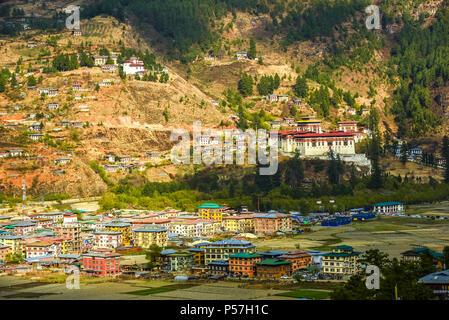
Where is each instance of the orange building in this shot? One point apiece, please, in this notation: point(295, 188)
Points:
point(273, 269)
point(299, 259)
point(243, 264)
point(272, 222)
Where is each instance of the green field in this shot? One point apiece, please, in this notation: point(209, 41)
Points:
point(162, 289)
point(392, 235)
point(305, 293)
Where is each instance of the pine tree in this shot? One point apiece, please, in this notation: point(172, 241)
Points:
point(252, 52)
point(301, 88)
point(445, 154)
point(245, 85)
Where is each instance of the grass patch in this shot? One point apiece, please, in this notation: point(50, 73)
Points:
point(162, 289)
point(328, 243)
point(305, 293)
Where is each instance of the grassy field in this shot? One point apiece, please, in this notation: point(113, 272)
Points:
point(161, 289)
point(306, 293)
point(440, 209)
point(392, 235)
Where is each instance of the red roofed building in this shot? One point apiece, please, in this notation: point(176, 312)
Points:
point(347, 126)
point(133, 66)
point(101, 263)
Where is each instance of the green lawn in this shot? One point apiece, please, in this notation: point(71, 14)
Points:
point(305, 293)
point(162, 289)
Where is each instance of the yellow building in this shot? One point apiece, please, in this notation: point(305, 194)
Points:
point(240, 223)
point(341, 262)
point(210, 211)
point(15, 242)
point(149, 235)
point(124, 228)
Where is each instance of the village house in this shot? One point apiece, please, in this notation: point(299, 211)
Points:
point(77, 33)
point(123, 227)
point(299, 259)
point(4, 250)
point(109, 68)
point(390, 207)
point(347, 126)
point(148, 235)
point(438, 282)
point(52, 106)
point(218, 267)
point(43, 248)
point(100, 60)
point(36, 136)
point(241, 55)
point(15, 152)
point(220, 250)
point(272, 222)
point(77, 85)
point(239, 223)
point(243, 264)
point(210, 211)
point(62, 160)
point(69, 218)
point(21, 228)
point(12, 241)
point(179, 261)
point(101, 263)
point(273, 269)
point(341, 262)
point(416, 254)
point(277, 98)
point(107, 239)
point(69, 231)
point(133, 66)
point(111, 168)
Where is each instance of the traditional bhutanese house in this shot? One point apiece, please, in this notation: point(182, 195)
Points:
point(220, 250)
point(210, 211)
point(180, 260)
point(124, 228)
point(36, 136)
point(417, 254)
point(272, 254)
point(101, 263)
point(241, 55)
point(299, 259)
point(4, 250)
point(107, 239)
point(149, 235)
point(243, 264)
point(13, 241)
point(438, 282)
point(100, 60)
point(77, 85)
point(62, 160)
point(22, 228)
point(341, 262)
point(239, 223)
point(109, 68)
point(77, 33)
point(133, 66)
point(390, 207)
point(273, 269)
point(218, 267)
point(271, 222)
point(52, 106)
point(42, 248)
point(198, 256)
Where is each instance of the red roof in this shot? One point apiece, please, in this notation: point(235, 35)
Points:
point(347, 122)
point(324, 134)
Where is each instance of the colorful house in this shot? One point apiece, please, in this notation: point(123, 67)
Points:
point(438, 282)
point(101, 263)
point(12, 241)
point(210, 211)
point(416, 255)
point(148, 235)
point(272, 222)
point(220, 250)
point(341, 262)
point(299, 259)
point(239, 223)
point(390, 207)
point(243, 264)
point(273, 269)
point(124, 228)
point(180, 261)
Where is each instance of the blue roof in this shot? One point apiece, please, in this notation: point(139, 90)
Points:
point(10, 237)
point(230, 242)
point(24, 224)
point(220, 262)
point(150, 230)
point(441, 277)
point(39, 258)
point(388, 203)
point(168, 251)
point(69, 256)
point(272, 252)
point(119, 225)
point(196, 249)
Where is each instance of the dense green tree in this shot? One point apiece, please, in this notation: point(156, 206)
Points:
point(245, 85)
point(301, 88)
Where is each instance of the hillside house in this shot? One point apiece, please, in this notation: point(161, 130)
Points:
point(36, 136)
point(241, 55)
point(133, 66)
point(100, 60)
point(52, 106)
point(62, 160)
